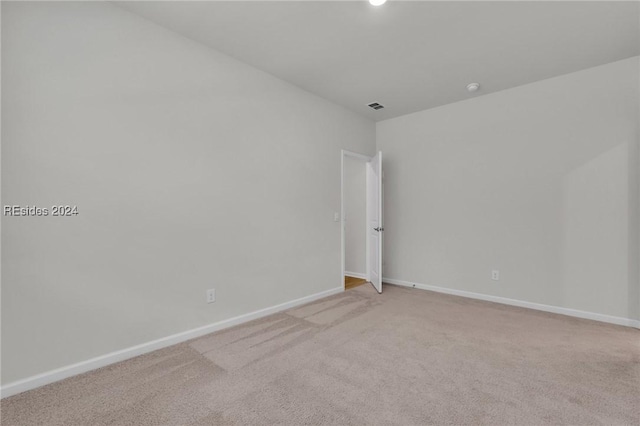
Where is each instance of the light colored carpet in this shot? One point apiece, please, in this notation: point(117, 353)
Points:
point(404, 357)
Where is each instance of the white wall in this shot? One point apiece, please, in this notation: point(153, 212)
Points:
point(190, 170)
point(539, 182)
point(355, 202)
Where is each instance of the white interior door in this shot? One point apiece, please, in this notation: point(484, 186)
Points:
point(374, 221)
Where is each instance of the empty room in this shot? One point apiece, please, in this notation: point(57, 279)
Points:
point(320, 213)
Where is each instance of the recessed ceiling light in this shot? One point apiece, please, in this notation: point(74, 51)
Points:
point(473, 87)
point(377, 2)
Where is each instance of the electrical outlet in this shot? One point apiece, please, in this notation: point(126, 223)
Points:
point(211, 295)
point(495, 275)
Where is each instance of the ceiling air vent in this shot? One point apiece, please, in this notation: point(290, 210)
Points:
point(376, 106)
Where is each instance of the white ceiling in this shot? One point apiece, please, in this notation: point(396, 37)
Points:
point(408, 56)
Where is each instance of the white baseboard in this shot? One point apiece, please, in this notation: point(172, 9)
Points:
point(356, 274)
point(521, 303)
point(124, 354)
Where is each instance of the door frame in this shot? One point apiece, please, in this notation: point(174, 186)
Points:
point(364, 158)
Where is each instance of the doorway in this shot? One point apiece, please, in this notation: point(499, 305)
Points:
point(361, 218)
